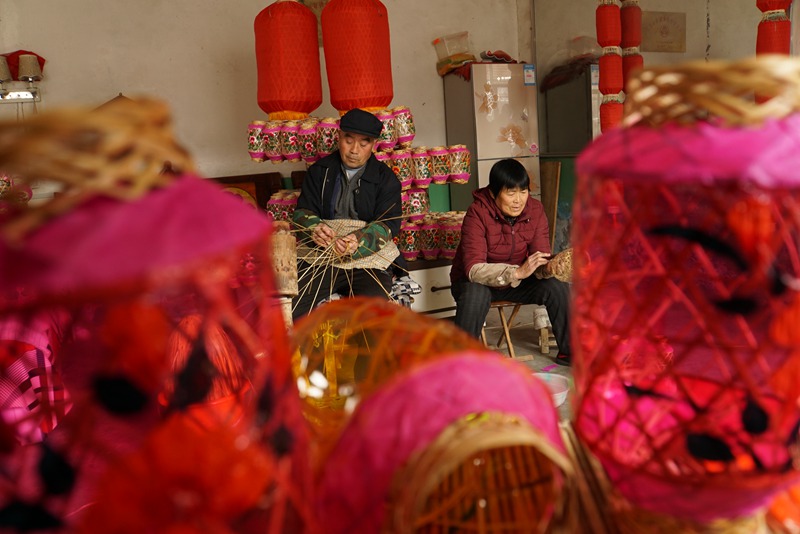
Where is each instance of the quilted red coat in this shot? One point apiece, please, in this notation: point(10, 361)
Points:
point(487, 237)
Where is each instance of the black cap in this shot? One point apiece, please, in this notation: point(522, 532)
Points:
point(361, 122)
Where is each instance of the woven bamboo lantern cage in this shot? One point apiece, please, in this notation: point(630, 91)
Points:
point(117, 272)
point(465, 443)
point(358, 59)
point(287, 58)
point(686, 249)
point(349, 348)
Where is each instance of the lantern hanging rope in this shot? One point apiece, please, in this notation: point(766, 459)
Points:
point(609, 37)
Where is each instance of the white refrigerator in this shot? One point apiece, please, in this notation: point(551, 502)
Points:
point(494, 114)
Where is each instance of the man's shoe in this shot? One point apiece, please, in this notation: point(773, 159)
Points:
point(564, 359)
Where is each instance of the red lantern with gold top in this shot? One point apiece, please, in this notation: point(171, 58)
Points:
point(775, 29)
point(287, 57)
point(355, 35)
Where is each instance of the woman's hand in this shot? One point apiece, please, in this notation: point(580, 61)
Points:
point(531, 263)
point(323, 235)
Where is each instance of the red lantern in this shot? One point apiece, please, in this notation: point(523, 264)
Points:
point(610, 115)
point(287, 58)
point(774, 36)
point(611, 81)
point(631, 19)
point(775, 28)
point(609, 36)
point(630, 64)
point(355, 35)
point(609, 29)
point(773, 5)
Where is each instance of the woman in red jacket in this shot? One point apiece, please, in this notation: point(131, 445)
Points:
point(504, 239)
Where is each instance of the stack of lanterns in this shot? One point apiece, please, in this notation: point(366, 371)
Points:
point(609, 36)
point(631, 25)
point(357, 57)
point(358, 63)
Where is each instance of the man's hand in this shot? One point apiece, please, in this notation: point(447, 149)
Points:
point(346, 245)
point(531, 263)
point(323, 235)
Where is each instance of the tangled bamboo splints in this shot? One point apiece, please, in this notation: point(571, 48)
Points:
point(349, 348)
point(723, 91)
point(119, 150)
point(686, 240)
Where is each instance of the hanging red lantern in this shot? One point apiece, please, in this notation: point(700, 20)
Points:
point(775, 28)
point(631, 19)
point(287, 58)
point(773, 5)
point(611, 81)
point(355, 35)
point(610, 115)
point(609, 29)
point(774, 35)
point(631, 63)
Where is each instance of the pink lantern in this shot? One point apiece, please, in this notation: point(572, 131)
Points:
point(373, 467)
point(685, 234)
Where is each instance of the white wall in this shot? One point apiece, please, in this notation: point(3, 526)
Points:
point(717, 29)
point(198, 55)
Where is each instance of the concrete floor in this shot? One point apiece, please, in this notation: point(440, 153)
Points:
point(526, 343)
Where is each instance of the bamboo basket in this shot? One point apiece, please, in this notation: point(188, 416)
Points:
point(486, 473)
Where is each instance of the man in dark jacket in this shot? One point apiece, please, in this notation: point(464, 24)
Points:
point(349, 208)
point(504, 240)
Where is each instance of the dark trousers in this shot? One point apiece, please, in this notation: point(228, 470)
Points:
point(316, 284)
point(473, 300)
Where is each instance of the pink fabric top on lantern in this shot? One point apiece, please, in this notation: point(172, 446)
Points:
point(702, 152)
point(137, 239)
point(409, 413)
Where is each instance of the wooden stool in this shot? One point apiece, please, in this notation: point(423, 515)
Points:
point(505, 324)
